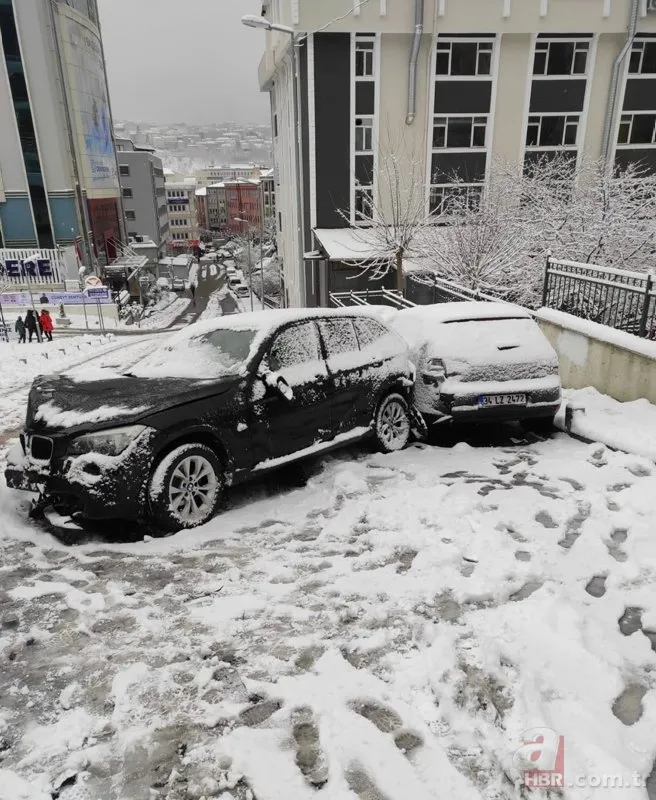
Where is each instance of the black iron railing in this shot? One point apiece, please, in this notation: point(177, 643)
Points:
point(618, 298)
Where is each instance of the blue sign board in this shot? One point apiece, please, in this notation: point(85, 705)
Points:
point(32, 268)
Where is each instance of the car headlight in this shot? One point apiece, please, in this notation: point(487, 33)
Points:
point(110, 442)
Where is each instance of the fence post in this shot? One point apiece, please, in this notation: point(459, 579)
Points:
point(642, 331)
point(545, 285)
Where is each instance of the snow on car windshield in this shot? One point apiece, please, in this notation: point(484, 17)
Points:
point(211, 354)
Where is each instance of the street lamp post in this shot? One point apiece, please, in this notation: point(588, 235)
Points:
point(253, 21)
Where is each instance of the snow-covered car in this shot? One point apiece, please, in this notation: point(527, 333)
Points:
point(178, 284)
point(230, 271)
point(241, 290)
point(219, 402)
point(481, 362)
point(164, 284)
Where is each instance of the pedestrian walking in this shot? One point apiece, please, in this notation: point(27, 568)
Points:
point(46, 324)
point(20, 330)
point(192, 289)
point(31, 323)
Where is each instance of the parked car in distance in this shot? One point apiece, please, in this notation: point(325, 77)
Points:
point(219, 402)
point(241, 290)
point(164, 284)
point(481, 362)
point(178, 284)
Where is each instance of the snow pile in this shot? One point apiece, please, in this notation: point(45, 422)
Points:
point(626, 426)
point(392, 630)
point(165, 312)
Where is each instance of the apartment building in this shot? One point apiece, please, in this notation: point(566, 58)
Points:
point(447, 87)
point(243, 205)
point(217, 211)
point(183, 221)
point(229, 172)
point(268, 181)
point(58, 170)
point(141, 176)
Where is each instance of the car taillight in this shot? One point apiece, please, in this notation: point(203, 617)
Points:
point(434, 371)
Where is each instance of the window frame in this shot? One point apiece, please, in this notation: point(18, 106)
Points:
point(266, 359)
point(471, 189)
point(126, 193)
point(478, 41)
point(576, 41)
point(370, 50)
point(367, 124)
point(473, 127)
point(551, 147)
point(362, 191)
point(327, 322)
point(629, 118)
point(640, 45)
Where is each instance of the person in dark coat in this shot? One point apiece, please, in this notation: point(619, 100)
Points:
point(20, 329)
point(31, 323)
point(45, 320)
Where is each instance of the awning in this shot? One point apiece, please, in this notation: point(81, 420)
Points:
point(348, 244)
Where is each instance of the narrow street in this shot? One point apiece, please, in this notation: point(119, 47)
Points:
point(210, 278)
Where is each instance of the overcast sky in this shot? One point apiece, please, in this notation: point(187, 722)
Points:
point(183, 60)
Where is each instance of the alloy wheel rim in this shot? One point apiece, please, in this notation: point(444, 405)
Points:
point(193, 488)
point(394, 425)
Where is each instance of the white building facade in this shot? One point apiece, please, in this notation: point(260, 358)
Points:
point(183, 221)
point(448, 87)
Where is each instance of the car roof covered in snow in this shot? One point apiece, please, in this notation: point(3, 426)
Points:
point(464, 312)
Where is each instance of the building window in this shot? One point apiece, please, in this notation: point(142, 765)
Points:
point(449, 199)
point(364, 203)
point(364, 58)
point(464, 58)
point(130, 215)
point(552, 130)
point(364, 133)
point(127, 193)
point(637, 129)
point(459, 132)
point(275, 125)
point(643, 57)
point(560, 58)
point(124, 170)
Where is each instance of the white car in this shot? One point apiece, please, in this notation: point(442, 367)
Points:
point(481, 362)
point(179, 284)
point(164, 284)
point(241, 290)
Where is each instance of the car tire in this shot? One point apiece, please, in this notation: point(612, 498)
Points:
point(542, 426)
point(185, 488)
point(392, 423)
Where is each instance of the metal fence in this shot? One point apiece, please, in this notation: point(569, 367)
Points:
point(427, 288)
point(370, 297)
point(618, 298)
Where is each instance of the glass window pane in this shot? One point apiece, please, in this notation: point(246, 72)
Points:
point(296, 345)
point(459, 132)
point(532, 134)
point(580, 63)
point(552, 131)
point(484, 63)
point(439, 136)
point(463, 58)
point(561, 55)
point(643, 128)
point(338, 336)
point(442, 62)
point(571, 130)
point(649, 59)
point(478, 138)
point(540, 62)
point(368, 331)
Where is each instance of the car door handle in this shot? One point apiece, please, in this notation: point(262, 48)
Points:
point(377, 364)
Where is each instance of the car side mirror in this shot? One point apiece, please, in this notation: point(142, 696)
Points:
point(284, 388)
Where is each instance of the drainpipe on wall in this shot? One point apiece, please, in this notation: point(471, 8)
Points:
point(613, 95)
point(414, 56)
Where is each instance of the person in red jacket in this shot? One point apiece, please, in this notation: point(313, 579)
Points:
point(46, 324)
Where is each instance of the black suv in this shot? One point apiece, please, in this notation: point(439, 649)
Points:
point(221, 401)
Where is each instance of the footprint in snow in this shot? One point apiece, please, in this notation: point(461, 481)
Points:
point(388, 721)
point(310, 758)
point(597, 586)
point(362, 785)
point(617, 537)
point(628, 705)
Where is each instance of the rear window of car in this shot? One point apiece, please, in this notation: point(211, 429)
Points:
point(338, 336)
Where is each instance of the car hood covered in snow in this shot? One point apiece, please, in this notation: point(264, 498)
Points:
point(59, 403)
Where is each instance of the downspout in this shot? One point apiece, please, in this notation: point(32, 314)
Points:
point(414, 56)
point(611, 110)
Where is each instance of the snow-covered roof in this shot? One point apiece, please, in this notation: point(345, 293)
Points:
point(468, 310)
point(201, 192)
point(348, 244)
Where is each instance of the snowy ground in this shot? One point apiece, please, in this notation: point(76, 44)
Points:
point(384, 627)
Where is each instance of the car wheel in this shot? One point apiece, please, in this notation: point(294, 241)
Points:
point(540, 425)
point(392, 424)
point(185, 487)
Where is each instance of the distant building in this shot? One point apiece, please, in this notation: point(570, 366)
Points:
point(183, 219)
point(217, 211)
point(243, 205)
point(144, 194)
point(201, 208)
point(268, 180)
point(58, 171)
point(230, 172)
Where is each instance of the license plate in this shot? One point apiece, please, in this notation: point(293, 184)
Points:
point(487, 400)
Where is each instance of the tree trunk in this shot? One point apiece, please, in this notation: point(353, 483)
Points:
point(399, 269)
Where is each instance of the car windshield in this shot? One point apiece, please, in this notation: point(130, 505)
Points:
point(213, 354)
